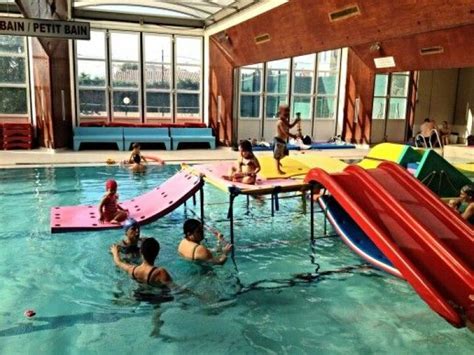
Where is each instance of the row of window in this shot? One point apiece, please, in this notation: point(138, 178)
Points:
point(132, 76)
point(309, 84)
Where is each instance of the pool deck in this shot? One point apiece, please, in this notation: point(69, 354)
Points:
point(47, 157)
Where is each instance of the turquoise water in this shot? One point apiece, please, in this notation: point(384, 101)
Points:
point(257, 305)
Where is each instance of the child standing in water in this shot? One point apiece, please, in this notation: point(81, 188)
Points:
point(247, 166)
point(280, 150)
point(109, 209)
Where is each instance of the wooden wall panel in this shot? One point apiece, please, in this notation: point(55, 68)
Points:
point(42, 92)
point(303, 26)
point(406, 50)
point(221, 85)
point(52, 80)
point(359, 85)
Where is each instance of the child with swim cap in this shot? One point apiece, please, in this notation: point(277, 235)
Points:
point(132, 241)
point(247, 166)
point(109, 209)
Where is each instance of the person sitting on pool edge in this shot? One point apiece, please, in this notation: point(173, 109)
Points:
point(464, 204)
point(247, 166)
point(109, 209)
point(190, 247)
point(146, 272)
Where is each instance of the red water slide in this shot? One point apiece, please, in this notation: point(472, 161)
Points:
point(431, 245)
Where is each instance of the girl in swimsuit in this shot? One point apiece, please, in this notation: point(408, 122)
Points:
point(247, 166)
point(190, 247)
point(109, 209)
point(146, 272)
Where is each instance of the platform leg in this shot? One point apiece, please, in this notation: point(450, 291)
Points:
point(248, 203)
point(273, 205)
point(201, 201)
point(312, 215)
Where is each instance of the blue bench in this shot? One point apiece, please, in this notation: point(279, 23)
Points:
point(146, 135)
point(98, 135)
point(192, 135)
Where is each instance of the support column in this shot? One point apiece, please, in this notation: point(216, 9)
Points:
point(51, 74)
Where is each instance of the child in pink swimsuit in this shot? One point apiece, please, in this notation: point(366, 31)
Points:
point(109, 209)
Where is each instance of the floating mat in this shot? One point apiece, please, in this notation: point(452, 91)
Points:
point(313, 146)
point(144, 208)
point(213, 174)
point(298, 165)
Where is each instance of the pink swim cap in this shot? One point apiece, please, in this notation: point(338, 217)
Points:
point(111, 185)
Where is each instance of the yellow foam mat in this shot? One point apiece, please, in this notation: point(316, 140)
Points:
point(298, 165)
point(387, 151)
point(466, 168)
point(369, 163)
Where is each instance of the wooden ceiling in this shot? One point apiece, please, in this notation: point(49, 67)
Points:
point(401, 26)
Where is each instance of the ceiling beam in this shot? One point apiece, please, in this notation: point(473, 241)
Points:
point(132, 18)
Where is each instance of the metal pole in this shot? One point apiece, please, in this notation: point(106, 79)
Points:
point(312, 214)
point(273, 205)
point(201, 201)
point(194, 200)
point(248, 202)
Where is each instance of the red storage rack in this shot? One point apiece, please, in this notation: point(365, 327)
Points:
point(17, 136)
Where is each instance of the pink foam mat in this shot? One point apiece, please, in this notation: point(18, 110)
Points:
point(144, 208)
point(215, 172)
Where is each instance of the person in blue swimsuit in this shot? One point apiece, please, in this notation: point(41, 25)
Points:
point(191, 248)
point(146, 272)
point(464, 204)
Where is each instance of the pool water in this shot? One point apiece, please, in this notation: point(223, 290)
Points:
point(256, 304)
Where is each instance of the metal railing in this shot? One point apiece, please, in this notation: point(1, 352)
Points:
point(426, 141)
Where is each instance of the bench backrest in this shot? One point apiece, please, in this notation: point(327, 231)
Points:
point(190, 132)
point(98, 131)
point(144, 131)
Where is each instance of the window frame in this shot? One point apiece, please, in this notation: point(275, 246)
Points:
point(334, 96)
point(26, 85)
point(388, 95)
point(260, 67)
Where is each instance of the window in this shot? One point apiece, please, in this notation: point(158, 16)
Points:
point(188, 78)
point(92, 76)
point(390, 96)
point(144, 77)
point(251, 91)
point(125, 75)
point(13, 77)
point(314, 83)
point(327, 84)
point(303, 83)
point(277, 82)
point(158, 77)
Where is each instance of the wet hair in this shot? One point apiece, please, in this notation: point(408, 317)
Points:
point(150, 249)
point(136, 146)
point(246, 145)
point(427, 120)
point(468, 190)
point(190, 226)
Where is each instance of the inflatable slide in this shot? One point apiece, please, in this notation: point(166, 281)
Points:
point(427, 242)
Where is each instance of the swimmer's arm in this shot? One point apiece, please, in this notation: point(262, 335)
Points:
point(204, 254)
point(101, 208)
point(258, 167)
point(295, 122)
point(130, 159)
point(163, 276)
point(141, 156)
point(469, 212)
point(454, 203)
point(128, 268)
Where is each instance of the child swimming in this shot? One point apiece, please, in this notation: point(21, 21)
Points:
point(247, 166)
point(131, 244)
point(136, 159)
point(109, 209)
